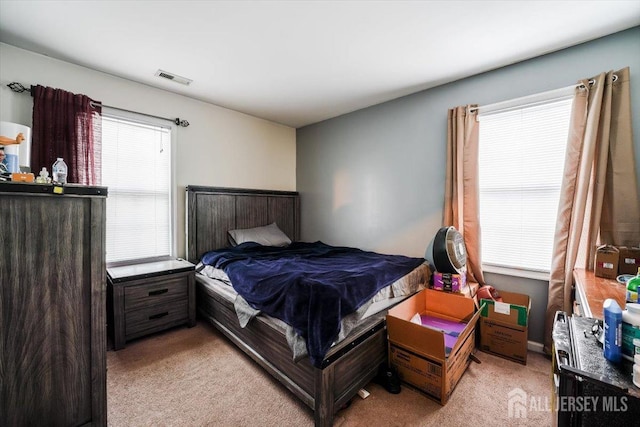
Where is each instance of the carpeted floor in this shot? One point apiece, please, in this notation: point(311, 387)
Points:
point(196, 377)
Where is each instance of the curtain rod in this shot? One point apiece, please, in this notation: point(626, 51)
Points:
point(19, 88)
point(532, 98)
point(177, 120)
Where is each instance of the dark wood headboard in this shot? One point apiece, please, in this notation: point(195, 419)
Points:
point(213, 211)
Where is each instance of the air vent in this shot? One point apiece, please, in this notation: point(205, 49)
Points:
point(169, 76)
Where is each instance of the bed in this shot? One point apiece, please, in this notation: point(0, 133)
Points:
point(348, 365)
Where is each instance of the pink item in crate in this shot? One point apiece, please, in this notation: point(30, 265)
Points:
point(449, 328)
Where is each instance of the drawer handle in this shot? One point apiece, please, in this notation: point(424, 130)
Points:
point(158, 292)
point(159, 315)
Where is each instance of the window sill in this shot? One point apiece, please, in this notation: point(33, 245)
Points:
point(516, 272)
point(131, 262)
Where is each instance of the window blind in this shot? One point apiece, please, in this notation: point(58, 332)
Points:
point(521, 161)
point(136, 167)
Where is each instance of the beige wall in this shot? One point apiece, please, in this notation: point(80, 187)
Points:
point(221, 147)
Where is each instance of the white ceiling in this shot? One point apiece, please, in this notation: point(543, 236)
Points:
point(300, 62)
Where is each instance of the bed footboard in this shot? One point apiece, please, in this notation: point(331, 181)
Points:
point(349, 366)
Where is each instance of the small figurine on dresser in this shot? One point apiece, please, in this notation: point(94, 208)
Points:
point(43, 178)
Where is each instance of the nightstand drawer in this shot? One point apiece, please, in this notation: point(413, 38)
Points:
point(156, 292)
point(156, 318)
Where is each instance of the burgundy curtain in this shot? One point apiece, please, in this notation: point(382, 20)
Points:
point(67, 125)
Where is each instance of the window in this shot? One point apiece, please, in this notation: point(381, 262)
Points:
point(137, 169)
point(521, 161)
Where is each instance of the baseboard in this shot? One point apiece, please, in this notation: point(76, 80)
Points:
point(535, 347)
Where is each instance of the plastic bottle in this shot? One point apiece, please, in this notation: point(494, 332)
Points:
point(612, 330)
point(632, 288)
point(630, 329)
point(59, 170)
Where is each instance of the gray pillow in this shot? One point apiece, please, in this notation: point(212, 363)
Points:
point(269, 235)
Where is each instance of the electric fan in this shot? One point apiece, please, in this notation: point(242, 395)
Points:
point(447, 253)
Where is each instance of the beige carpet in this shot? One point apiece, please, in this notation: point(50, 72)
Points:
point(196, 377)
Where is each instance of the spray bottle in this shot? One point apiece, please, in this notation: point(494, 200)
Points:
point(632, 288)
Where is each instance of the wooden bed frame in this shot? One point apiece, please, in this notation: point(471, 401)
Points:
point(349, 365)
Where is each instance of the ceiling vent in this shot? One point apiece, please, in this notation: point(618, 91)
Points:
point(174, 78)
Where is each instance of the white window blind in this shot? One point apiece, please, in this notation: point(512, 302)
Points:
point(136, 168)
point(521, 161)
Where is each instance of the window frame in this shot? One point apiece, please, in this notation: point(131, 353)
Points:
point(530, 101)
point(126, 115)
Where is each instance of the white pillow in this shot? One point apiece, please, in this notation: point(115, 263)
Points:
point(269, 235)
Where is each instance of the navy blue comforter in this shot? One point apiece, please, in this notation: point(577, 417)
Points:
point(310, 286)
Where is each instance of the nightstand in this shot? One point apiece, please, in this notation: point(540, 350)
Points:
point(150, 297)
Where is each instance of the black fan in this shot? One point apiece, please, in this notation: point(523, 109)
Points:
point(447, 252)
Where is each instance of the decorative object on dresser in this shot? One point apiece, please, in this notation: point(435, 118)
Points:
point(149, 297)
point(16, 141)
point(52, 305)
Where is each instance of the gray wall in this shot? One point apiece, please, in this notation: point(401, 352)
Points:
point(374, 178)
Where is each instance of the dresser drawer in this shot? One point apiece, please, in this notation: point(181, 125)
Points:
point(151, 319)
point(155, 292)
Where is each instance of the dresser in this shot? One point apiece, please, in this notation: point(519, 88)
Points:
point(592, 291)
point(589, 390)
point(52, 305)
point(149, 297)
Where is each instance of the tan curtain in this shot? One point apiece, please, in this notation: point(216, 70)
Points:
point(599, 202)
point(461, 208)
